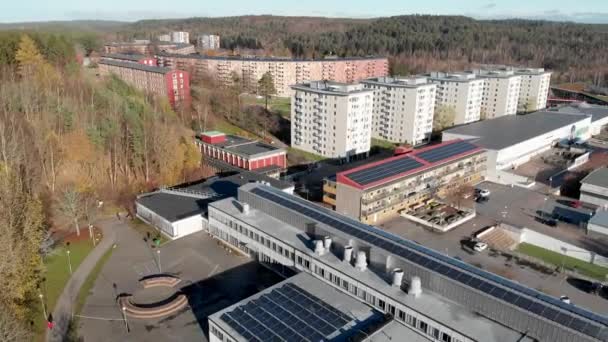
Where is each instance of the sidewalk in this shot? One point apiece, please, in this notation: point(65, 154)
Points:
point(65, 304)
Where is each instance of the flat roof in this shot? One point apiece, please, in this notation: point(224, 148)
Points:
point(400, 82)
point(597, 112)
point(600, 218)
point(377, 173)
point(174, 206)
point(270, 59)
point(301, 308)
point(452, 271)
point(598, 177)
point(125, 56)
point(143, 67)
point(243, 146)
point(332, 88)
point(509, 130)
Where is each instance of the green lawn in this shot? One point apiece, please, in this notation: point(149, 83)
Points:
point(299, 154)
point(228, 128)
point(143, 228)
point(281, 105)
point(383, 144)
point(557, 259)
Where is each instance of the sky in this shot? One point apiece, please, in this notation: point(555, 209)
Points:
point(595, 11)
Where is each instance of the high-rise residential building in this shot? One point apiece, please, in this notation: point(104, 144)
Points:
point(534, 89)
point(403, 108)
point(332, 119)
point(500, 92)
point(208, 41)
point(164, 38)
point(180, 37)
point(285, 71)
point(459, 92)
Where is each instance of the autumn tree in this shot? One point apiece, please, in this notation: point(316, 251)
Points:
point(11, 330)
point(266, 87)
point(443, 118)
point(70, 204)
point(28, 57)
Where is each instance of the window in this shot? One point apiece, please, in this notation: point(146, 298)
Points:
point(422, 326)
point(435, 332)
point(446, 338)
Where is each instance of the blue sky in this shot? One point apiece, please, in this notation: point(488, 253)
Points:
point(38, 10)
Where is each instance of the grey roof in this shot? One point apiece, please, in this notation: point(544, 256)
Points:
point(399, 82)
point(245, 147)
point(598, 177)
point(123, 56)
point(268, 59)
point(137, 66)
point(332, 88)
point(505, 131)
point(600, 219)
point(173, 206)
point(287, 310)
point(597, 112)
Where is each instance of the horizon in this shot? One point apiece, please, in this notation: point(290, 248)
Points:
point(27, 11)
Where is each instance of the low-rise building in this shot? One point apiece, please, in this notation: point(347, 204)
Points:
point(579, 92)
point(172, 84)
point(378, 191)
point(121, 57)
point(461, 93)
point(240, 152)
point(599, 223)
point(594, 188)
point(501, 90)
point(180, 37)
point(513, 140)
point(430, 294)
point(599, 115)
point(149, 48)
point(332, 119)
point(208, 42)
point(403, 108)
point(164, 38)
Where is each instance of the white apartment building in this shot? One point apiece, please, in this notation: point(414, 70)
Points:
point(164, 38)
point(534, 89)
point(500, 92)
point(331, 119)
point(208, 41)
point(461, 92)
point(403, 109)
point(180, 37)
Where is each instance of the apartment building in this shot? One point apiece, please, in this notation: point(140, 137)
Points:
point(174, 84)
point(534, 89)
point(164, 38)
point(208, 42)
point(332, 119)
point(180, 37)
point(501, 91)
point(130, 58)
point(148, 48)
point(403, 109)
point(429, 295)
point(460, 92)
point(285, 72)
point(378, 191)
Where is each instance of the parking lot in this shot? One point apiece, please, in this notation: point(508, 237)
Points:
point(212, 278)
point(515, 206)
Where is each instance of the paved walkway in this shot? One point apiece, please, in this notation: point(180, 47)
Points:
point(65, 304)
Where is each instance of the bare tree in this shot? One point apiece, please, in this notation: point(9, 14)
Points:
point(71, 205)
point(10, 329)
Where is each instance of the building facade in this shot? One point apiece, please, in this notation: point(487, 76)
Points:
point(594, 188)
point(501, 91)
point(164, 38)
point(173, 84)
point(534, 89)
point(461, 93)
point(149, 48)
point(285, 72)
point(130, 58)
point(441, 298)
point(378, 191)
point(180, 37)
point(332, 119)
point(208, 42)
point(403, 109)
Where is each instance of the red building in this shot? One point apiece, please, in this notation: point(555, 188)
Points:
point(174, 84)
point(241, 153)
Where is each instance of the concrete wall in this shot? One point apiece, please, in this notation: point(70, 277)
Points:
point(189, 225)
point(597, 228)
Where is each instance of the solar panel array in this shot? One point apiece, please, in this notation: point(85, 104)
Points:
point(486, 282)
point(446, 151)
point(382, 171)
point(287, 313)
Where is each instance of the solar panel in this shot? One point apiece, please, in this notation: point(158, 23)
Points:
point(446, 151)
point(383, 171)
point(405, 247)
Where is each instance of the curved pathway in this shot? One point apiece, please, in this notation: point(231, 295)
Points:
point(62, 313)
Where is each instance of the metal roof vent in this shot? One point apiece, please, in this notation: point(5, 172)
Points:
point(348, 254)
point(318, 247)
point(361, 262)
point(397, 277)
point(327, 243)
point(245, 208)
point(415, 288)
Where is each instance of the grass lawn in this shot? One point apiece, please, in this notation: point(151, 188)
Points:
point(585, 268)
point(383, 144)
point(299, 154)
point(143, 228)
point(228, 128)
point(281, 105)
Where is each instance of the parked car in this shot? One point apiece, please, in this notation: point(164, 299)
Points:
point(547, 221)
point(480, 246)
point(481, 199)
point(483, 192)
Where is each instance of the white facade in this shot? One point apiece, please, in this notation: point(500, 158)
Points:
point(331, 119)
point(461, 92)
point(164, 38)
point(534, 89)
point(175, 229)
point(180, 37)
point(500, 93)
point(403, 109)
point(208, 42)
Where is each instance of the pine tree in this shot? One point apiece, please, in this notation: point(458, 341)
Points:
point(28, 57)
point(266, 87)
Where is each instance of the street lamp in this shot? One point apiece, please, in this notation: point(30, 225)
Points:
point(43, 306)
point(160, 270)
point(69, 261)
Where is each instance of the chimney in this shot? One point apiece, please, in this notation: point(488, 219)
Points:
point(397, 277)
point(318, 247)
point(415, 288)
point(327, 243)
point(361, 262)
point(348, 254)
point(245, 208)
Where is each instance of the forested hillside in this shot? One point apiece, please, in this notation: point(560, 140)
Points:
point(576, 52)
